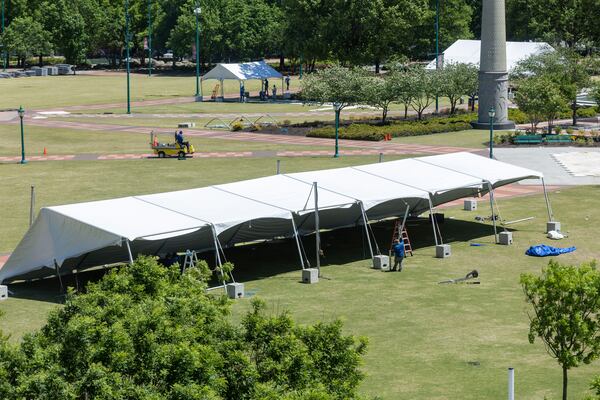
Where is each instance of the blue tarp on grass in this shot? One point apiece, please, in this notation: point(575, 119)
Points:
point(542, 250)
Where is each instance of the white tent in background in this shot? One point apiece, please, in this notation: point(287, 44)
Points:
point(468, 52)
point(79, 236)
point(242, 72)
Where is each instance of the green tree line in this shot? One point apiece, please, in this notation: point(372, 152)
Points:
point(352, 32)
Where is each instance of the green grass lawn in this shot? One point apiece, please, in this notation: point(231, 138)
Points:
point(71, 141)
point(426, 341)
point(59, 91)
point(472, 138)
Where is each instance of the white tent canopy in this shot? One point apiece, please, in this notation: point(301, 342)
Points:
point(83, 235)
point(468, 52)
point(242, 71)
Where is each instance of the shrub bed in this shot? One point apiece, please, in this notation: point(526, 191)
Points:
point(397, 129)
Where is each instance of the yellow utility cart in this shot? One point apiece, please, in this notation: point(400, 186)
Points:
point(162, 150)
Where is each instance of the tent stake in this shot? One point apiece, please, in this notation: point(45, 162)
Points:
point(317, 228)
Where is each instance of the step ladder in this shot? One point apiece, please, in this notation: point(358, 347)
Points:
point(190, 261)
point(404, 235)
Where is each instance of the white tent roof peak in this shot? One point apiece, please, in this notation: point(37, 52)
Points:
point(242, 71)
point(468, 52)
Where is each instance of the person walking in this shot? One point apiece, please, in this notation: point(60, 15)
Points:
point(287, 82)
point(242, 93)
point(274, 92)
point(398, 249)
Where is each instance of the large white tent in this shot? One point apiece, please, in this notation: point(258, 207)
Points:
point(83, 235)
point(468, 52)
point(242, 72)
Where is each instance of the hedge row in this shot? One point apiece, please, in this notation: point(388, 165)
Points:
point(519, 117)
point(401, 129)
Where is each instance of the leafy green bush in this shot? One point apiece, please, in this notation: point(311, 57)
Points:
point(147, 332)
point(398, 129)
point(517, 116)
point(586, 112)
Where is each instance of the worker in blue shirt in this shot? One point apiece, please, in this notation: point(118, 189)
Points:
point(398, 249)
point(181, 142)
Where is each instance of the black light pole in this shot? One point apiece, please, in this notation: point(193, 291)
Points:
point(437, 47)
point(21, 112)
point(149, 37)
point(492, 114)
point(4, 56)
point(127, 55)
point(197, 12)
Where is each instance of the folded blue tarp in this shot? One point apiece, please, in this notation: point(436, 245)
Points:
point(541, 250)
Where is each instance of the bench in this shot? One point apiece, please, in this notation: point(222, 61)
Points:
point(527, 139)
point(558, 139)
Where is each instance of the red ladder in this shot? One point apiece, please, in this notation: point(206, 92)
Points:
point(396, 234)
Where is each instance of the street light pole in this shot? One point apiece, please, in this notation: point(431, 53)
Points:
point(3, 49)
point(337, 128)
point(437, 48)
point(127, 55)
point(21, 112)
point(197, 12)
point(149, 37)
point(492, 114)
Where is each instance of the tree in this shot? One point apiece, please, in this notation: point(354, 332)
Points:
point(566, 313)
point(568, 70)
point(425, 86)
point(148, 332)
point(25, 38)
point(457, 80)
point(381, 93)
point(337, 85)
point(539, 98)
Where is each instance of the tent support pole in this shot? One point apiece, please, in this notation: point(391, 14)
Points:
point(129, 251)
point(366, 223)
point(317, 228)
point(56, 267)
point(491, 190)
point(297, 241)
point(404, 219)
point(433, 224)
point(220, 265)
point(548, 207)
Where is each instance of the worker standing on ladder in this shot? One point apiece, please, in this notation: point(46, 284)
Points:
point(398, 249)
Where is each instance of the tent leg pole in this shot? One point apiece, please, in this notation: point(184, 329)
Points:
point(432, 218)
point(56, 267)
point(297, 241)
point(220, 265)
point(129, 252)
point(404, 219)
point(491, 189)
point(548, 207)
point(365, 222)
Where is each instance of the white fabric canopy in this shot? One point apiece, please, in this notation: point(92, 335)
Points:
point(78, 236)
point(468, 52)
point(242, 71)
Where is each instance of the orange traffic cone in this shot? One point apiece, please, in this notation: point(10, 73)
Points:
point(45, 152)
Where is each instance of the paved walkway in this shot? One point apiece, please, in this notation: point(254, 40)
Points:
point(541, 159)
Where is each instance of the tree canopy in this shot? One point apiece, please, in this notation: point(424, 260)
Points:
point(149, 332)
point(565, 314)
